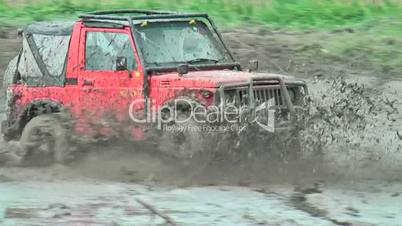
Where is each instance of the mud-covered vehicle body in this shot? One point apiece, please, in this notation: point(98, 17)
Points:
point(109, 68)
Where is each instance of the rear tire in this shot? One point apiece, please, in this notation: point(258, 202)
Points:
point(44, 140)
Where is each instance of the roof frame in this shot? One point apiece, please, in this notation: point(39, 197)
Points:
point(132, 11)
point(150, 14)
point(142, 17)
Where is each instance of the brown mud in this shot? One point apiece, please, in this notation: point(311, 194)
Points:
point(351, 89)
point(300, 54)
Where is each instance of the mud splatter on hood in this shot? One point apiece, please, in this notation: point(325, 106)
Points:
point(212, 79)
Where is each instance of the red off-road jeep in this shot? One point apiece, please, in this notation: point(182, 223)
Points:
point(126, 73)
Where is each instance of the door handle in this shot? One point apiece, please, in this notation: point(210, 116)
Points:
point(88, 83)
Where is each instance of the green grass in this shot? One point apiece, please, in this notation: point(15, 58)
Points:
point(289, 13)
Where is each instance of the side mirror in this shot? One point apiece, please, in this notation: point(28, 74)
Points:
point(121, 63)
point(182, 69)
point(399, 133)
point(253, 65)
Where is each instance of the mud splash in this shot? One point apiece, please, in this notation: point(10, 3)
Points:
point(349, 132)
point(353, 123)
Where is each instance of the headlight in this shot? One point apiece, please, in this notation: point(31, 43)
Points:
point(207, 94)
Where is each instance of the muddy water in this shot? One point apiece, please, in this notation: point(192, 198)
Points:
point(359, 173)
point(110, 203)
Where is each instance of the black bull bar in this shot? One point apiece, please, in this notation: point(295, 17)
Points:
point(271, 80)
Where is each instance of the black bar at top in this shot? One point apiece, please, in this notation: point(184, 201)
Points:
point(133, 11)
point(146, 17)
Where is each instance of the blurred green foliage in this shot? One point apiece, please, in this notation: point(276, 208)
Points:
point(291, 13)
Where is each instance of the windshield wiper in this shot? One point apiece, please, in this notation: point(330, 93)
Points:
point(202, 60)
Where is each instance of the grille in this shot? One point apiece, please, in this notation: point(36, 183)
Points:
point(261, 95)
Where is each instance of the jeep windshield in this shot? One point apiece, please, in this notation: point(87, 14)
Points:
point(171, 43)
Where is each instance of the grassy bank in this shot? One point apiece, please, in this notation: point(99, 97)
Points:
point(293, 13)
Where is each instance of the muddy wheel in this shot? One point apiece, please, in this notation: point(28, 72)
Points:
point(181, 140)
point(44, 140)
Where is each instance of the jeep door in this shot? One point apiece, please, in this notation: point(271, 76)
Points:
point(110, 79)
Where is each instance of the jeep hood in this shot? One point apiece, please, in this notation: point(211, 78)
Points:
point(216, 78)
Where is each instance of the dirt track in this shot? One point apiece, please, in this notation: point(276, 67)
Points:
point(114, 175)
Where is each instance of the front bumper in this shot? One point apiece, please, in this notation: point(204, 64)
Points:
point(275, 90)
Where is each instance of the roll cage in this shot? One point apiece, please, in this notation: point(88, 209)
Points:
point(131, 15)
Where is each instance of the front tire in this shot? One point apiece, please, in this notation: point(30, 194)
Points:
point(44, 140)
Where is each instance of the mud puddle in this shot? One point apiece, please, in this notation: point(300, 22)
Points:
point(105, 203)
